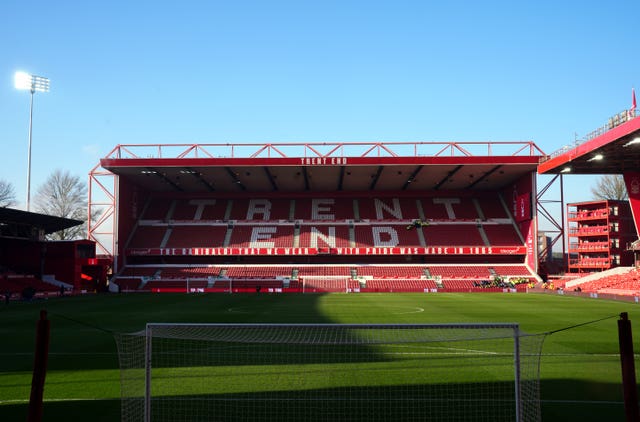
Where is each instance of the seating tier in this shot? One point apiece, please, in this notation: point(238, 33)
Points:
point(452, 234)
point(398, 285)
point(157, 209)
point(400, 271)
point(196, 236)
point(386, 236)
point(502, 235)
point(460, 271)
point(148, 237)
point(209, 209)
point(261, 237)
point(628, 282)
point(388, 209)
point(324, 236)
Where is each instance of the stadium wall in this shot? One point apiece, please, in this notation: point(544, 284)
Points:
point(522, 195)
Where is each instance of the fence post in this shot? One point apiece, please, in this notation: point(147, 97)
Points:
point(628, 369)
point(41, 355)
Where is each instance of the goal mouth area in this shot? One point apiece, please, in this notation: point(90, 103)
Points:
point(330, 372)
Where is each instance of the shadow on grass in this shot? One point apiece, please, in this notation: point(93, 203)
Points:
point(395, 403)
point(85, 410)
point(82, 327)
point(374, 404)
point(554, 409)
point(571, 399)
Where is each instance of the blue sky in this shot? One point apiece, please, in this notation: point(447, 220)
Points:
point(279, 71)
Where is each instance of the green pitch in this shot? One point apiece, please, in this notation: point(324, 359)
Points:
point(580, 368)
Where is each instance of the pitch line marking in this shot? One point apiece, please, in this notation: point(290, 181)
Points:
point(411, 310)
point(415, 310)
point(58, 353)
point(18, 401)
point(238, 311)
point(447, 351)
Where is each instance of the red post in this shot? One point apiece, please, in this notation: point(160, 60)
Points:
point(41, 355)
point(628, 369)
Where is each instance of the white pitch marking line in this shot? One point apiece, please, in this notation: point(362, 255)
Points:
point(415, 310)
point(50, 400)
point(237, 311)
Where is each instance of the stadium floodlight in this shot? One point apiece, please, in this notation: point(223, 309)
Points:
point(634, 141)
point(32, 83)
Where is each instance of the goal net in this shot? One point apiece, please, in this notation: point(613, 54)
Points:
point(330, 372)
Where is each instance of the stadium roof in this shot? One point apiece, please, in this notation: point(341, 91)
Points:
point(611, 149)
point(48, 223)
point(329, 167)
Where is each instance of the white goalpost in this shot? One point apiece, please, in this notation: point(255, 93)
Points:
point(330, 372)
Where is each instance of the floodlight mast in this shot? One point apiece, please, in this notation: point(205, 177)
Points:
point(33, 83)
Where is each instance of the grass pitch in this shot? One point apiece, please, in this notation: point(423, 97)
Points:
point(580, 368)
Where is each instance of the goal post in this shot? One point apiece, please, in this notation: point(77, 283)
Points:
point(330, 372)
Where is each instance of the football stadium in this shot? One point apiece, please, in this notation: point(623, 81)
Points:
point(317, 281)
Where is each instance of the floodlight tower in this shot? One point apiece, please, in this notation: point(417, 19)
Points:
point(33, 83)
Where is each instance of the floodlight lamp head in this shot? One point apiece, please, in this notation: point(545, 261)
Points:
point(32, 83)
point(22, 80)
point(634, 141)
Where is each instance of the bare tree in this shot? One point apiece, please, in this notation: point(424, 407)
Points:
point(7, 195)
point(610, 186)
point(64, 195)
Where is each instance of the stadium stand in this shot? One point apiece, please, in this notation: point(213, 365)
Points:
point(14, 283)
point(33, 266)
point(620, 281)
point(321, 230)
